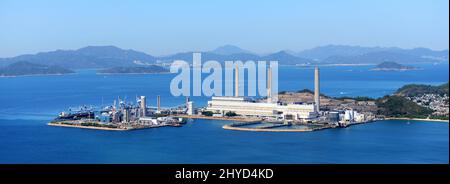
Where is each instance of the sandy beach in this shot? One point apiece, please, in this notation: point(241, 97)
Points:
point(418, 119)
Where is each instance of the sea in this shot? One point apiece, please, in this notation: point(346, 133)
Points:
point(28, 103)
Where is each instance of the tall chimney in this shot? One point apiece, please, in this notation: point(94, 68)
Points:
point(269, 85)
point(316, 89)
point(236, 82)
point(143, 106)
point(158, 103)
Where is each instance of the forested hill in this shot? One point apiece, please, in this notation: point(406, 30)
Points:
point(420, 89)
point(26, 68)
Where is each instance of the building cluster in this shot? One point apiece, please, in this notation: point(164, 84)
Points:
point(436, 102)
point(269, 109)
point(128, 114)
point(247, 107)
point(346, 117)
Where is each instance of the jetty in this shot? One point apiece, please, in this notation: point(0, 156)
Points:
point(269, 127)
point(235, 118)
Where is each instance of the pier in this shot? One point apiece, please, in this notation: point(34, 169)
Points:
point(275, 127)
point(240, 119)
point(117, 128)
point(85, 127)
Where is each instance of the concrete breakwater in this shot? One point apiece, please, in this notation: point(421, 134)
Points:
point(121, 128)
point(241, 122)
point(240, 126)
point(228, 127)
point(87, 127)
point(240, 119)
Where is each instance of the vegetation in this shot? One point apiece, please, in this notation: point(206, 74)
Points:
point(439, 117)
point(230, 114)
point(27, 68)
point(358, 98)
point(392, 66)
point(419, 89)
point(398, 106)
point(305, 91)
point(311, 92)
point(207, 113)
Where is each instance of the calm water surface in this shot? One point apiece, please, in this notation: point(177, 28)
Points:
point(27, 103)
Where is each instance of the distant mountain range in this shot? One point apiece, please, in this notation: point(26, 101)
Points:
point(111, 56)
point(229, 50)
point(329, 51)
point(87, 57)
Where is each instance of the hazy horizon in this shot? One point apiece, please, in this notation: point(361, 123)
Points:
point(211, 49)
point(163, 28)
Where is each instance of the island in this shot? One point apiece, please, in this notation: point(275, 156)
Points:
point(150, 69)
point(25, 68)
point(392, 66)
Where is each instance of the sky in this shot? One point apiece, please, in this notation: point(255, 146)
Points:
point(170, 26)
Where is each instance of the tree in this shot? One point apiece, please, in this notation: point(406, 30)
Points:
point(230, 114)
point(207, 113)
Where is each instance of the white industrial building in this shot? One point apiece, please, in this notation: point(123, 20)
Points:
point(245, 107)
point(353, 116)
point(242, 106)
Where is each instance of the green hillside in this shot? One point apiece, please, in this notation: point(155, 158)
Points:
point(398, 106)
point(26, 68)
point(420, 89)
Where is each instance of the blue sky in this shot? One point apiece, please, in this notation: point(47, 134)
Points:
point(170, 26)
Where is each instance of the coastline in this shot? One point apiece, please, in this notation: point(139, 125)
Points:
point(394, 69)
point(348, 64)
point(35, 75)
point(419, 119)
point(334, 64)
point(131, 73)
point(87, 127)
point(228, 127)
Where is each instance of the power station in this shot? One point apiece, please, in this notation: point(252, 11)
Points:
point(268, 109)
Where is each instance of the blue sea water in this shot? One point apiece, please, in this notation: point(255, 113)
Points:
point(27, 103)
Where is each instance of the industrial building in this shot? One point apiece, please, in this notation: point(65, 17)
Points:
point(270, 109)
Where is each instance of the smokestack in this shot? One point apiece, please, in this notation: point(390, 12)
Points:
point(126, 115)
point(269, 85)
point(236, 82)
point(158, 103)
point(190, 108)
point(143, 106)
point(316, 89)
